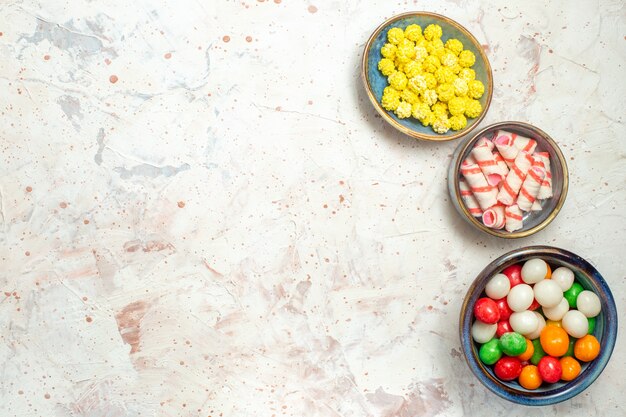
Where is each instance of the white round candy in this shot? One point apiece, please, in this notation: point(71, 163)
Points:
point(483, 332)
point(524, 322)
point(588, 303)
point(575, 323)
point(498, 287)
point(557, 312)
point(520, 297)
point(542, 323)
point(564, 277)
point(534, 270)
point(548, 293)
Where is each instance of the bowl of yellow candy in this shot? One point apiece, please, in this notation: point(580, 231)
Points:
point(427, 76)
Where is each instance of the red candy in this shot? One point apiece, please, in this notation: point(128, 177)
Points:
point(514, 273)
point(550, 369)
point(486, 310)
point(503, 327)
point(503, 307)
point(534, 306)
point(508, 368)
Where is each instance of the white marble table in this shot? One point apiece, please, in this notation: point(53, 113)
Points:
point(200, 218)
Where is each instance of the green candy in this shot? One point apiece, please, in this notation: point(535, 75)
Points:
point(572, 294)
point(570, 348)
point(490, 352)
point(512, 344)
point(539, 353)
point(592, 324)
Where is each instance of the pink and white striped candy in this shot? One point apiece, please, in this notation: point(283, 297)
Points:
point(504, 143)
point(504, 168)
point(487, 163)
point(484, 141)
point(513, 218)
point(486, 195)
point(545, 191)
point(513, 181)
point(494, 217)
point(523, 143)
point(530, 188)
point(536, 205)
point(468, 199)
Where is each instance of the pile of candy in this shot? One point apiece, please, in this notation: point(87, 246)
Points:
point(504, 176)
point(429, 80)
point(535, 325)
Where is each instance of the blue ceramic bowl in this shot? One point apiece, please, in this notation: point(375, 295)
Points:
point(605, 330)
point(375, 81)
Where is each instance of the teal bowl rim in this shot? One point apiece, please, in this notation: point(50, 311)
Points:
point(385, 115)
point(591, 371)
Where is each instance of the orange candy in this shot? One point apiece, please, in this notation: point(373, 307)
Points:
point(549, 273)
point(554, 323)
point(530, 378)
point(570, 368)
point(586, 348)
point(530, 349)
point(555, 341)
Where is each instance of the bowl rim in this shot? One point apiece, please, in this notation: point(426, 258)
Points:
point(391, 120)
point(499, 233)
point(591, 372)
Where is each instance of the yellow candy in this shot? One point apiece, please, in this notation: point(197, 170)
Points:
point(456, 106)
point(449, 59)
point(431, 63)
point(444, 75)
point(423, 43)
point(473, 109)
point(420, 53)
point(440, 108)
point(397, 80)
point(476, 89)
point(429, 97)
point(411, 69)
point(441, 124)
point(467, 74)
point(460, 87)
point(403, 110)
point(445, 92)
point(409, 96)
point(395, 35)
point(420, 111)
point(388, 50)
point(431, 81)
point(458, 122)
point(386, 66)
point(413, 32)
point(418, 84)
point(435, 45)
point(455, 46)
point(390, 99)
point(433, 32)
point(466, 59)
point(405, 52)
point(428, 119)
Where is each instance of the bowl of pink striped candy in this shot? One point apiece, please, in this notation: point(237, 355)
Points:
point(509, 180)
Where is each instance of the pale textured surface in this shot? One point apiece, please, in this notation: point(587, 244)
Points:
point(230, 230)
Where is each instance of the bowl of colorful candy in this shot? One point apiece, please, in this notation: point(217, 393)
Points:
point(427, 76)
point(509, 180)
point(538, 325)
